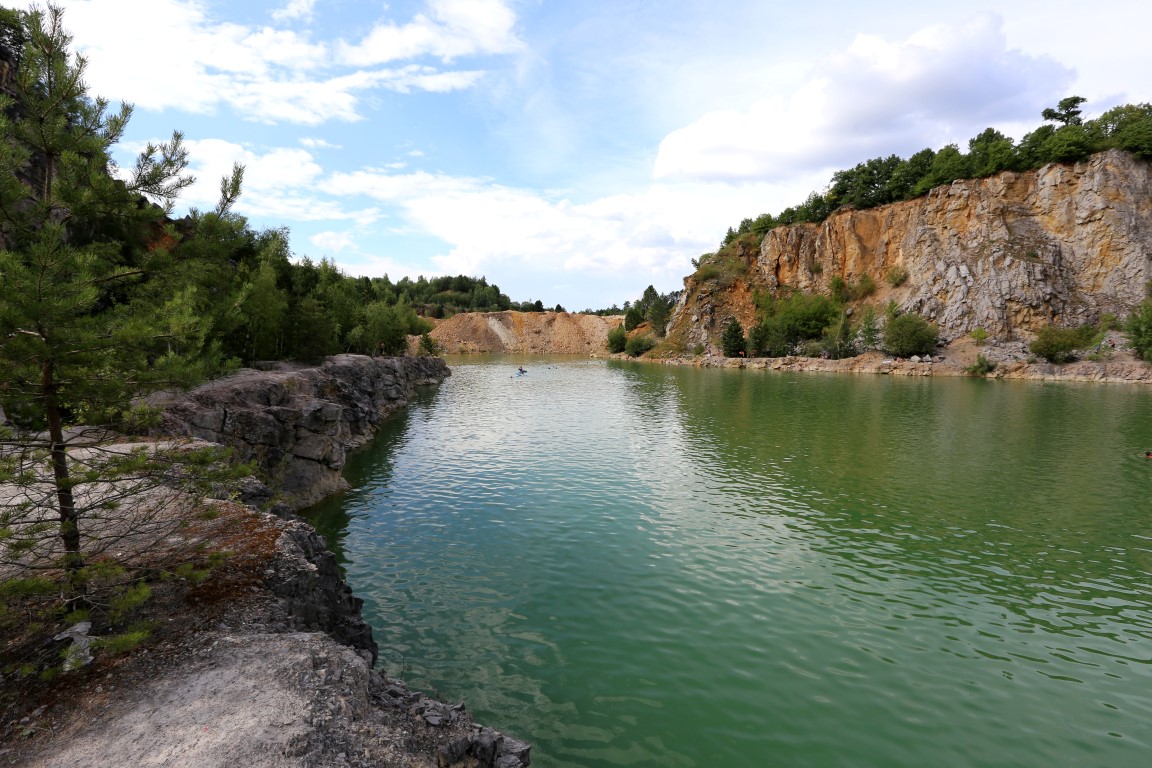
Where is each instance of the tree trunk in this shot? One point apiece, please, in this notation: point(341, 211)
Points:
point(66, 504)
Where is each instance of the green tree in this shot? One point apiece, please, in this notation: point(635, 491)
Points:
point(869, 328)
point(909, 334)
point(79, 337)
point(1067, 111)
point(1139, 330)
point(732, 341)
point(617, 339)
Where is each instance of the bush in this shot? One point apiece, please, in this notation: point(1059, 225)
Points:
point(910, 334)
point(897, 275)
point(732, 341)
point(769, 339)
point(638, 345)
point(429, 347)
point(980, 336)
point(1056, 345)
point(839, 339)
point(1139, 331)
point(617, 339)
point(982, 367)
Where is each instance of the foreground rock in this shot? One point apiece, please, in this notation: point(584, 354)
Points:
point(252, 676)
point(268, 663)
point(296, 423)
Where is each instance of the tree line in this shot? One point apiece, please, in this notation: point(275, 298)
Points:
point(1065, 137)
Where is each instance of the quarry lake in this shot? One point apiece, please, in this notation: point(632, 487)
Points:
point(645, 565)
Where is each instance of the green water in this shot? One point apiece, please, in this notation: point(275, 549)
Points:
point(657, 566)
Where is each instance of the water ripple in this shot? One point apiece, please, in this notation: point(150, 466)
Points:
point(632, 565)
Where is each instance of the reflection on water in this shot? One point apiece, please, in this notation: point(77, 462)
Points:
point(639, 565)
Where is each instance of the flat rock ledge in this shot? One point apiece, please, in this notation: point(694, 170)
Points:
point(298, 424)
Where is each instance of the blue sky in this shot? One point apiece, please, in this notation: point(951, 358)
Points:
point(575, 152)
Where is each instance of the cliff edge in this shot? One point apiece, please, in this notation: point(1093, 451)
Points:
point(1011, 253)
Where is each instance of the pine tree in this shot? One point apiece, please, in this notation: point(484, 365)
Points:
point(732, 341)
point(88, 321)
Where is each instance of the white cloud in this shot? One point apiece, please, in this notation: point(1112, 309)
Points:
point(451, 29)
point(333, 242)
point(265, 74)
point(296, 9)
point(314, 143)
point(941, 84)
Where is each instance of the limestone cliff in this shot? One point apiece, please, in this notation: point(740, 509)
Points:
point(1010, 253)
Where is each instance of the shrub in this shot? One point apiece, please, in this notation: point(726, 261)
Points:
point(897, 275)
point(839, 339)
point(910, 334)
point(864, 288)
point(429, 347)
point(732, 341)
point(979, 336)
point(617, 339)
point(1056, 345)
point(1139, 331)
point(982, 367)
point(769, 339)
point(638, 345)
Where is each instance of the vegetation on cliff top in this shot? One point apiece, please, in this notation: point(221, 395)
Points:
point(1064, 138)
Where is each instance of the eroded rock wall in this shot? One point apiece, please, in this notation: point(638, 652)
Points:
point(1063, 244)
point(299, 424)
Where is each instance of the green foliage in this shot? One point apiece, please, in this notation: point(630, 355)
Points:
point(1138, 328)
point(846, 291)
point(788, 321)
point(897, 275)
point(617, 339)
point(979, 335)
point(839, 339)
point(909, 334)
point(428, 347)
point(632, 318)
point(883, 180)
point(1057, 345)
point(982, 367)
point(732, 340)
point(869, 328)
point(638, 345)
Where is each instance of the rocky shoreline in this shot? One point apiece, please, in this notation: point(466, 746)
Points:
point(1012, 362)
point(269, 662)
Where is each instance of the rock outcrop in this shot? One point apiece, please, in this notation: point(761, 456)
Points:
point(554, 333)
point(1064, 244)
point(298, 424)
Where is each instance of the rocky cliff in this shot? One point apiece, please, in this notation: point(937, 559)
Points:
point(298, 424)
point(1011, 253)
point(556, 333)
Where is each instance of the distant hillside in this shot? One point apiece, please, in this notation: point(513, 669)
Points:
point(559, 333)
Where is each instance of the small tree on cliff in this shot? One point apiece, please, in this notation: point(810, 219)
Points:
point(732, 341)
point(87, 323)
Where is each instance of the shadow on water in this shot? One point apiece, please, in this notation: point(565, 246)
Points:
point(365, 470)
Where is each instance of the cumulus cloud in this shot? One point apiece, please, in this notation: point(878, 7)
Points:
point(490, 227)
point(333, 242)
point(274, 75)
point(450, 29)
point(941, 84)
point(295, 9)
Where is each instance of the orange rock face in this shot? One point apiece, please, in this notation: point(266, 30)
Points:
point(1011, 253)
